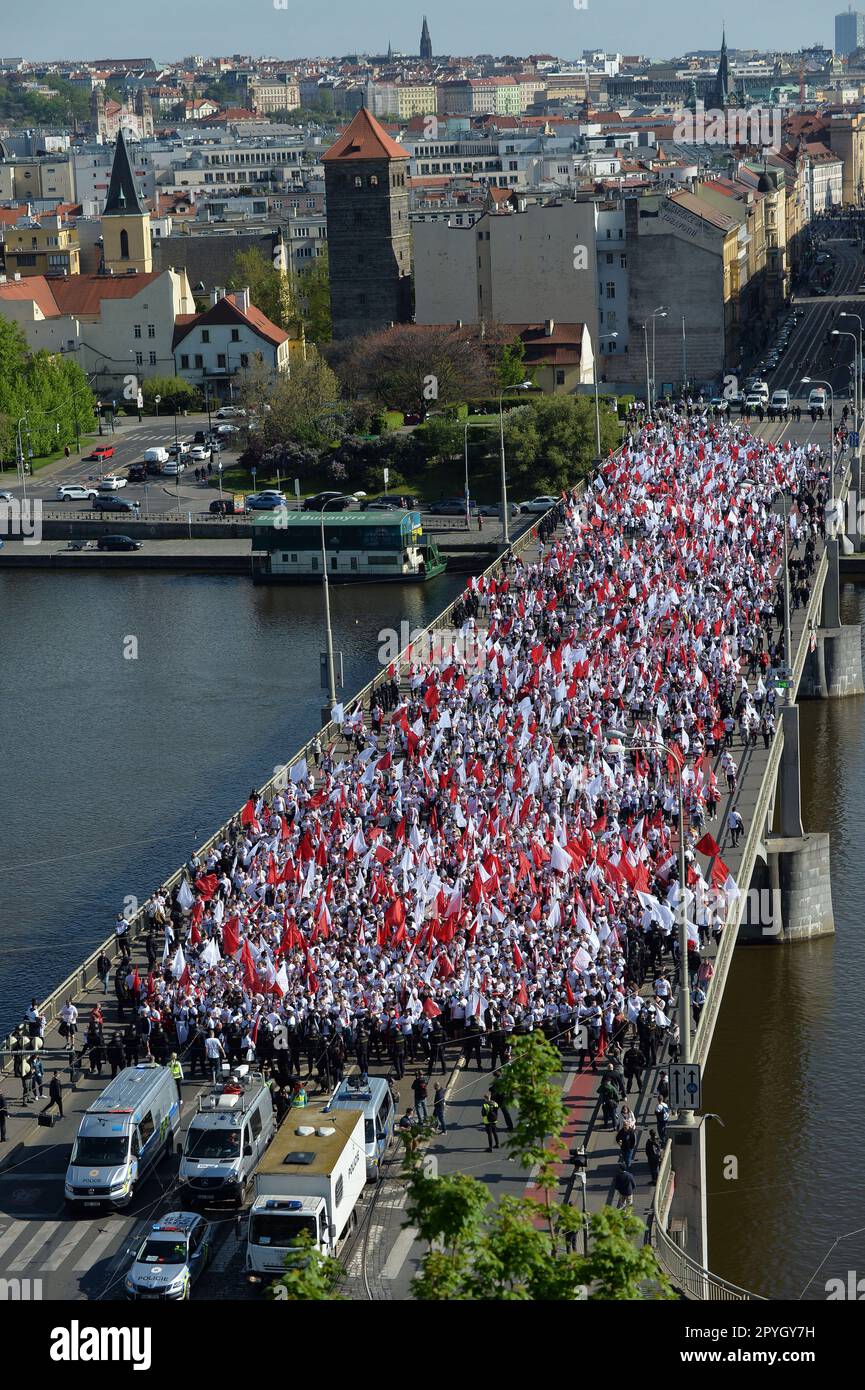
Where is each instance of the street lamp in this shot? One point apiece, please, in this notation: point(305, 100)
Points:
point(842, 333)
point(157, 399)
point(597, 405)
point(331, 676)
point(858, 317)
point(633, 746)
point(469, 424)
point(520, 386)
point(650, 383)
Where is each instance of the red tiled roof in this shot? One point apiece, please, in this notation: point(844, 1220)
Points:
point(226, 313)
point(33, 287)
point(365, 138)
point(83, 294)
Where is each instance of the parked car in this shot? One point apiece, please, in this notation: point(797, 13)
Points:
point(316, 502)
point(388, 503)
point(102, 451)
point(230, 412)
point(224, 506)
point(539, 504)
point(451, 506)
point(71, 492)
point(111, 482)
point(117, 543)
point(107, 503)
point(265, 501)
point(7, 496)
point(495, 509)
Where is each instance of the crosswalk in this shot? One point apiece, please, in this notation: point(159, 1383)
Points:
point(47, 1247)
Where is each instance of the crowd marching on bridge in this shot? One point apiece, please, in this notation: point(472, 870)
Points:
point(495, 850)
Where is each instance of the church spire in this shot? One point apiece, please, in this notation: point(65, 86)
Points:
point(425, 41)
point(123, 196)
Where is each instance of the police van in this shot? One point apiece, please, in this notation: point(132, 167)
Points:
point(122, 1135)
point(227, 1137)
point(371, 1094)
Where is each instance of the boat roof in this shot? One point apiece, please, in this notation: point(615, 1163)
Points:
point(289, 521)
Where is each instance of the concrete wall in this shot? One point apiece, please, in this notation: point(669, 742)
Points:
point(801, 874)
point(834, 668)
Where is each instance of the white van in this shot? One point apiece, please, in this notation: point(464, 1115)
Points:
point(780, 400)
point(158, 455)
point(817, 398)
point(122, 1135)
point(761, 389)
point(226, 1138)
point(371, 1094)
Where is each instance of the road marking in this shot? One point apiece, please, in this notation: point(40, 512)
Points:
point(11, 1235)
point(43, 1235)
point(65, 1247)
point(94, 1250)
point(399, 1253)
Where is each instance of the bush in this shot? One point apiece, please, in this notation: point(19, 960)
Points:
point(175, 394)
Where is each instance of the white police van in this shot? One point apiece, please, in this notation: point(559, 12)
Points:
point(226, 1138)
point(122, 1135)
point(371, 1094)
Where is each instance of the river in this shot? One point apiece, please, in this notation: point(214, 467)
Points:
point(785, 1070)
point(115, 764)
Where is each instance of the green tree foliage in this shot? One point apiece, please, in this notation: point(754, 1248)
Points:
point(416, 369)
point(313, 295)
point(442, 437)
point(310, 1278)
point(269, 288)
point(525, 1250)
point(20, 107)
point(175, 394)
point(48, 393)
point(304, 406)
point(510, 366)
point(550, 442)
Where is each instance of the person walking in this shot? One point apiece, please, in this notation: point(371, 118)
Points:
point(215, 1053)
point(55, 1094)
point(497, 1093)
point(625, 1184)
point(439, 1108)
point(634, 1063)
point(489, 1119)
point(610, 1096)
point(735, 825)
point(627, 1136)
point(103, 970)
point(653, 1154)
point(419, 1091)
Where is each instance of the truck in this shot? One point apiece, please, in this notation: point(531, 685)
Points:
point(310, 1180)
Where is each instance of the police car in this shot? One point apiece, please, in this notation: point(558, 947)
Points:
point(171, 1257)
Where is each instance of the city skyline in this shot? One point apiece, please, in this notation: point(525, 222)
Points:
point(554, 26)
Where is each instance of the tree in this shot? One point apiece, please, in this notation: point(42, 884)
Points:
point(176, 394)
point(312, 1278)
point(512, 1255)
point(305, 408)
point(510, 364)
point(313, 294)
point(442, 437)
point(416, 369)
point(550, 442)
point(269, 288)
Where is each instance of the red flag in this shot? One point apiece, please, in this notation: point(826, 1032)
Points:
point(431, 1008)
point(230, 938)
point(708, 845)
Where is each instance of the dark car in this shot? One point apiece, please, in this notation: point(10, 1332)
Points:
point(117, 543)
point(200, 437)
point(114, 504)
point(223, 506)
point(137, 473)
point(386, 503)
point(335, 501)
point(452, 506)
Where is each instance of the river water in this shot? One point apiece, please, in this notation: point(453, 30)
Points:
point(113, 767)
point(785, 1070)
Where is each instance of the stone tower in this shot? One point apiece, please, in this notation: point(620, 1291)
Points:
point(126, 237)
point(368, 235)
point(425, 42)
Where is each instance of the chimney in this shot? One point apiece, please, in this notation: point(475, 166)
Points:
point(214, 298)
point(242, 300)
point(549, 327)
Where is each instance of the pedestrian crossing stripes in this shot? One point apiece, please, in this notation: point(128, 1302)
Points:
point(44, 1247)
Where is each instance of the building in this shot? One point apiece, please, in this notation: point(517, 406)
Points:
point(126, 235)
point(212, 347)
point(368, 232)
point(265, 96)
point(558, 356)
point(426, 50)
point(44, 245)
point(849, 32)
point(134, 117)
point(28, 180)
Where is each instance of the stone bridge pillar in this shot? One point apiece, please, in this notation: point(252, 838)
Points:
point(833, 667)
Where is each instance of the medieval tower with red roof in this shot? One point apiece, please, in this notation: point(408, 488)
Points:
point(368, 235)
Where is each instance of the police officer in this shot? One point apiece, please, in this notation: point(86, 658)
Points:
point(497, 1093)
point(489, 1120)
point(176, 1070)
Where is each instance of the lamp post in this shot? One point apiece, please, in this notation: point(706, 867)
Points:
point(469, 424)
point(650, 382)
point(633, 746)
point(520, 386)
point(858, 317)
point(842, 333)
point(157, 399)
point(331, 675)
point(597, 404)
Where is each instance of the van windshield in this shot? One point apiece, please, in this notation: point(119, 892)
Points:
point(212, 1143)
point(101, 1150)
point(282, 1228)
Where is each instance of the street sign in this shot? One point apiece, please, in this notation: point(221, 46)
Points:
point(685, 1086)
point(853, 439)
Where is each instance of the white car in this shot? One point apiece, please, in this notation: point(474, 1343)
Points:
point(7, 496)
point(76, 492)
point(111, 482)
point(754, 401)
point(171, 470)
point(538, 504)
point(199, 454)
point(780, 400)
point(230, 412)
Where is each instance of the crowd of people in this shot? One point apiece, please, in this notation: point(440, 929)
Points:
point(492, 845)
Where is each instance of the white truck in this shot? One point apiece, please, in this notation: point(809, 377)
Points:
point(311, 1179)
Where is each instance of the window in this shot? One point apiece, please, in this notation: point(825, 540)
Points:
point(235, 335)
point(560, 376)
point(124, 245)
point(139, 359)
point(220, 359)
point(255, 1122)
point(611, 290)
point(199, 360)
point(338, 1191)
point(609, 258)
point(184, 361)
point(153, 359)
point(244, 359)
point(373, 180)
point(145, 1128)
point(205, 335)
point(151, 330)
point(358, 181)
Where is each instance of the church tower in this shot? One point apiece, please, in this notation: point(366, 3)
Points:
point(126, 237)
point(721, 91)
point(426, 52)
point(368, 233)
